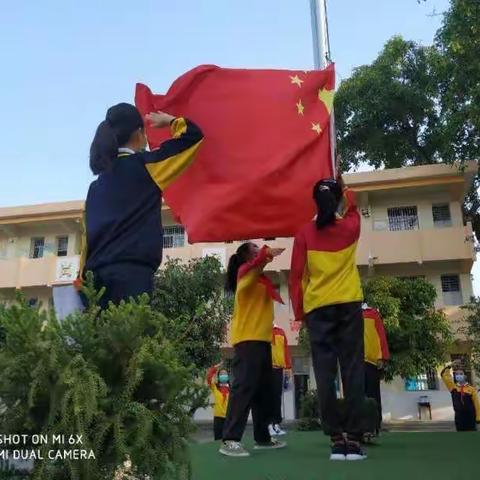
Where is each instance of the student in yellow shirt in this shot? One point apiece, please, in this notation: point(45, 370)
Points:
point(251, 335)
point(281, 362)
point(219, 382)
point(326, 293)
point(377, 354)
point(464, 399)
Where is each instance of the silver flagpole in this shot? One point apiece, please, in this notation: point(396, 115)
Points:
point(321, 59)
point(321, 53)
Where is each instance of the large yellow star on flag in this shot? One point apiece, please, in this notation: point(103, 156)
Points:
point(300, 107)
point(316, 128)
point(326, 96)
point(296, 80)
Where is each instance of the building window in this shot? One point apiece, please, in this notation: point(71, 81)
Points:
point(441, 215)
point(402, 218)
point(62, 246)
point(173, 236)
point(37, 247)
point(423, 382)
point(32, 302)
point(452, 293)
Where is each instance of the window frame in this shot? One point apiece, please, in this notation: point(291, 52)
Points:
point(62, 237)
point(402, 222)
point(443, 223)
point(427, 384)
point(174, 236)
point(35, 250)
point(452, 298)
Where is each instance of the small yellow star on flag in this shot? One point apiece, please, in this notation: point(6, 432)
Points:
point(326, 96)
point(316, 128)
point(300, 107)
point(296, 80)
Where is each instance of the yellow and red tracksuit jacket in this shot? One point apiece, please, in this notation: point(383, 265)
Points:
point(376, 346)
point(280, 351)
point(323, 270)
point(464, 397)
point(253, 307)
point(221, 393)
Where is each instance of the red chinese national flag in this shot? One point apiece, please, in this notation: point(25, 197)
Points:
point(267, 141)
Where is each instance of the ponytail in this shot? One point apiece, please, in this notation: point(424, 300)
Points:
point(104, 148)
point(326, 208)
point(234, 264)
point(327, 195)
point(120, 123)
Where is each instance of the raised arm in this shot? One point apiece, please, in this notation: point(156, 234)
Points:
point(476, 404)
point(380, 327)
point(447, 378)
point(298, 276)
point(175, 155)
point(250, 271)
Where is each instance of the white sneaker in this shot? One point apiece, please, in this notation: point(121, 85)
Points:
point(272, 431)
point(233, 449)
point(279, 430)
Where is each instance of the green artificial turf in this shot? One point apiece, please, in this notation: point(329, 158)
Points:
point(405, 456)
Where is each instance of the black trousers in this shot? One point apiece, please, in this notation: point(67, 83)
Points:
point(277, 386)
point(122, 281)
point(465, 422)
point(372, 389)
point(251, 390)
point(336, 334)
point(218, 423)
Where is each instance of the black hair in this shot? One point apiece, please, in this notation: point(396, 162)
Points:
point(235, 262)
point(327, 195)
point(115, 131)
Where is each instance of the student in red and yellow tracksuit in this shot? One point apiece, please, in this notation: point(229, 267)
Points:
point(251, 336)
point(219, 382)
point(281, 361)
point(464, 398)
point(376, 354)
point(326, 292)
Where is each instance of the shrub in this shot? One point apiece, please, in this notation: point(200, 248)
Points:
point(112, 377)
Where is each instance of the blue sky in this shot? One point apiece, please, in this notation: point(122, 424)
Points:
point(65, 62)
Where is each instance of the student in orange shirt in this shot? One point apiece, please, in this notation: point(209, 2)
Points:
point(251, 335)
point(219, 382)
point(281, 362)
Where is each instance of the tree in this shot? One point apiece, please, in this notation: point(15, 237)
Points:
point(472, 330)
point(386, 113)
point(113, 377)
point(191, 297)
point(418, 334)
point(458, 40)
point(417, 104)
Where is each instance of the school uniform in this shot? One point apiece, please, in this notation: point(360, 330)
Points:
point(280, 361)
point(123, 239)
point(326, 292)
point(376, 349)
point(251, 335)
point(221, 395)
point(465, 403)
